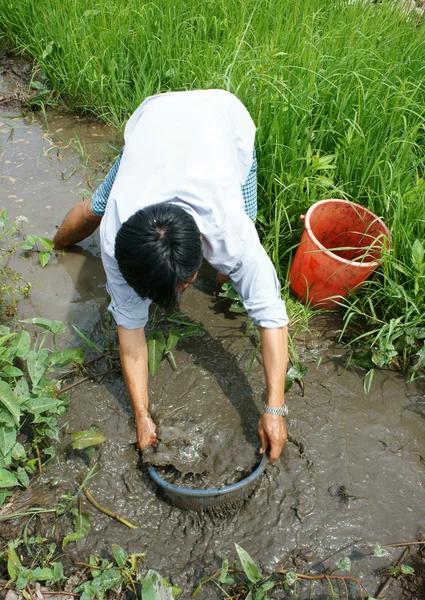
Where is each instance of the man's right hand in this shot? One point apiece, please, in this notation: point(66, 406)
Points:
point(146, 433)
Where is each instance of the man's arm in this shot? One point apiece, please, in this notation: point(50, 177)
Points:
point(78, 224)
point(134, 362)
point(274, 350)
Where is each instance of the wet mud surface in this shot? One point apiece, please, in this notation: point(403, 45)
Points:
point(352, 472)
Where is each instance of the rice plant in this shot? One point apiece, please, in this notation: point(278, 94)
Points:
point(336, 90)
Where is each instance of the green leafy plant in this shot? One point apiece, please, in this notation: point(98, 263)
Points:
point(344, 564)
point(159, 347)
point(32, 242)
point(30, 401)
point(397, 570)
point(21, 576)
point(122, 573)
point(379, 551)
point(229, 293)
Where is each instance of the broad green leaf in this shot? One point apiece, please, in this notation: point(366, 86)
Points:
point(26, 246)
point(229, 292)
point(82, 527)
point(296, 373)
point(110, 579)
point(250, 568)
point(49, 324)
point(94, 563)
point(43, 257)
point(290, 578)
point(72, 537)
point(407, 570)
point(7, 479)
point(61, 358)
point(22, 579)
point(263, 589)
point(120, 555)
point(23, 343)
point(5, 338)
point(8, 400)
point(32, 239)
point(421, 359)
point(153, 587)
point(22, 475)
point(21, 391)
point(42, 405)
point(156, 347)
point(237, 307)
point(6, 461)
point(9, 372)
point(7, 439)
point(40, 574)
point(86, 438)
point(379, 551)
point(172, 340)
point(18, 452)
point(57, 572)
point(6, 356)
point(6, 419)
point(87, 341)
point(37, 365)
point(14, 565)
point(46, 243)
point(224, 569)
point(344, 564)
point(4, 495)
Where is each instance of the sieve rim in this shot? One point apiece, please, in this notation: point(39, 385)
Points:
point(211, 492)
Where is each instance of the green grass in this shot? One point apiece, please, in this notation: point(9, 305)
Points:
point(336, 90)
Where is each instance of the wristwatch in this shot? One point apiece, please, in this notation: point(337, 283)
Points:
point(271, 410)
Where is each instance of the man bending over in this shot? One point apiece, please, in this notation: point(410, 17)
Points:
point(183, 188)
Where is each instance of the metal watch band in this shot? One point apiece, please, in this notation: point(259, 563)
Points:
point(282, 411)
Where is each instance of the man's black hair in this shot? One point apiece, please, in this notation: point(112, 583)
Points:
point(158, 248)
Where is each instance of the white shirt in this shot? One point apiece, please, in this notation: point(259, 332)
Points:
point(192, 149)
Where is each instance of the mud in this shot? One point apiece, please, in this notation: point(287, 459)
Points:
point(352, 473)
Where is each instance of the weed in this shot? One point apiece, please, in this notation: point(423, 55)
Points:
point(251, 584)
point(158, 347)
point(30, 401)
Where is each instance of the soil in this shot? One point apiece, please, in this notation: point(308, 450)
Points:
point(15, 77)
point(352, 472)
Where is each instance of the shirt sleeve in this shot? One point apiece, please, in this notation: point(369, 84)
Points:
point(254, 278)
point(101, 195)
point(128, 309)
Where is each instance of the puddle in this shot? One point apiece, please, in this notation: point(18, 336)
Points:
point(352, 473)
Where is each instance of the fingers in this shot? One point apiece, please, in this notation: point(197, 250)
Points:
point(273, 434)
point(263, 439)
point(275, 449)
point(146, 434)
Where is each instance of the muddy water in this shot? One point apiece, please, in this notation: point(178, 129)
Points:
point(352, 474)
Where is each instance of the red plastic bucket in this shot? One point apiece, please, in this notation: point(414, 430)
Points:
point(341, 245)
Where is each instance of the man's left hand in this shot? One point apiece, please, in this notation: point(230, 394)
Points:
point(273, 434)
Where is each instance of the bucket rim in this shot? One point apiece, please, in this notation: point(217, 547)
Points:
point(344, 261)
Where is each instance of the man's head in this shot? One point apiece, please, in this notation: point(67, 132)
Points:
point(159, 252)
